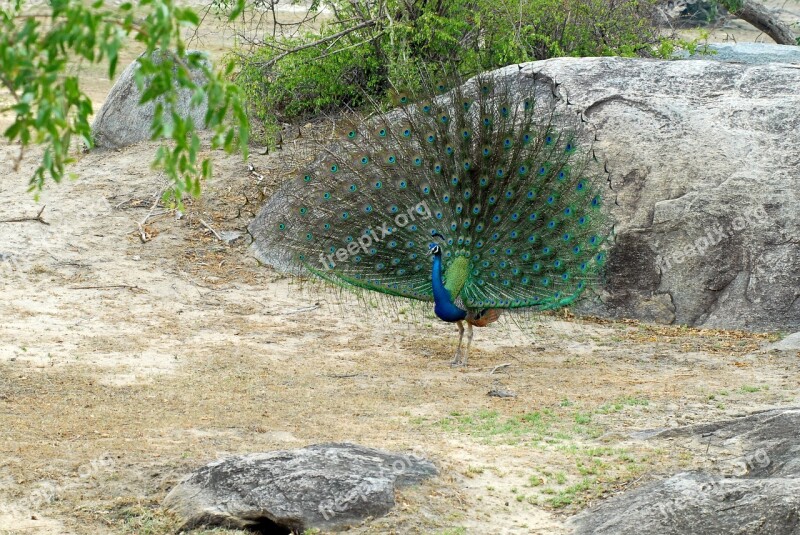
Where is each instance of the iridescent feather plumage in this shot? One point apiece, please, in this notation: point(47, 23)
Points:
point(500, 180)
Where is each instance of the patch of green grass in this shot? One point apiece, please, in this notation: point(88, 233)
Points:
point(490, 424)
point(474, 470)
point(143, 520)
point(570, 494)
point(747, 389)
point(621, 403)
point(591, 467)
point(582, 418)
point(454, 531)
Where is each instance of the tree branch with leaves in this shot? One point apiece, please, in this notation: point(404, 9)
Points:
point(51, 109)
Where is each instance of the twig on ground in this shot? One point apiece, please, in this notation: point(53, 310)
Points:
point(499, 367)
point(142, 232)
point(216, 234)
point(259, 176)
point(108, 287)
point(38, 218)
point(301, 309)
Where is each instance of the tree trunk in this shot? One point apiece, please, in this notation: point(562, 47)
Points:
point(763, 19)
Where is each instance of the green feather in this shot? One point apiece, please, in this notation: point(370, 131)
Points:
point(456, 276)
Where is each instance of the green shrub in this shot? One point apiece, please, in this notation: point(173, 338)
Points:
point(395, 40)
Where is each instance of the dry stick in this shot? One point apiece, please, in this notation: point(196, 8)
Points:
point(140, 224)
point(499, 366)
point(299, 310)
point(252, 169)
point(123, 202)
point(110, 286)
point(23, 219)
point(212, 230)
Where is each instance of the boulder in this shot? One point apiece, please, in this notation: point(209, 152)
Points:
point(704, 158)
point(692, 503)
point(755, 490)
point(122, 120)
point(325, 486)
point(753, 53)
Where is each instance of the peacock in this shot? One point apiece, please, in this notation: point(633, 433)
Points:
point(477, 197)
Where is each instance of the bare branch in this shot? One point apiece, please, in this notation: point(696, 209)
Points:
point(37, 218)
point(762, 18)
point(318, 42)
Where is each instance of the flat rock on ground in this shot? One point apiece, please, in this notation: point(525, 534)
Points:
point(326, 486)
point(756, 489)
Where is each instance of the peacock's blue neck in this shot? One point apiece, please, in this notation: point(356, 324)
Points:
point(444, 308)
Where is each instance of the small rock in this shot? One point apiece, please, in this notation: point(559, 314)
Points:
point(501, 393)
point(790, 343)
point(230, 236)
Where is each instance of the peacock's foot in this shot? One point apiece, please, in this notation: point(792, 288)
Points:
point(458, 360)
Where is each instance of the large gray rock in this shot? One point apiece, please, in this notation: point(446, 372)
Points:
point(762, 444)
point(693, 503)
point(704, 160)
point(325, 486)
point(754, 53)
point(122, 121)
point(756, 490)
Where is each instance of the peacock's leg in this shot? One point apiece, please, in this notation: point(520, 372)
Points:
point(469, 342)
point(457, 359)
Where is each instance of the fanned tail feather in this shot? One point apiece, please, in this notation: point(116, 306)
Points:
point(501, 176)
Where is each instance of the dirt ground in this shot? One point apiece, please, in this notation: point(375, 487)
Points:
point(125, 364)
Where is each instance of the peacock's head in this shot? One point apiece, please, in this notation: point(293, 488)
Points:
point(434, 248)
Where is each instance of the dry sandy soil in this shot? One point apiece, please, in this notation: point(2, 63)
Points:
point(124, 364)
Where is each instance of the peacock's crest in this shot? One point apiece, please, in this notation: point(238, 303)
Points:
point(506, 185)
